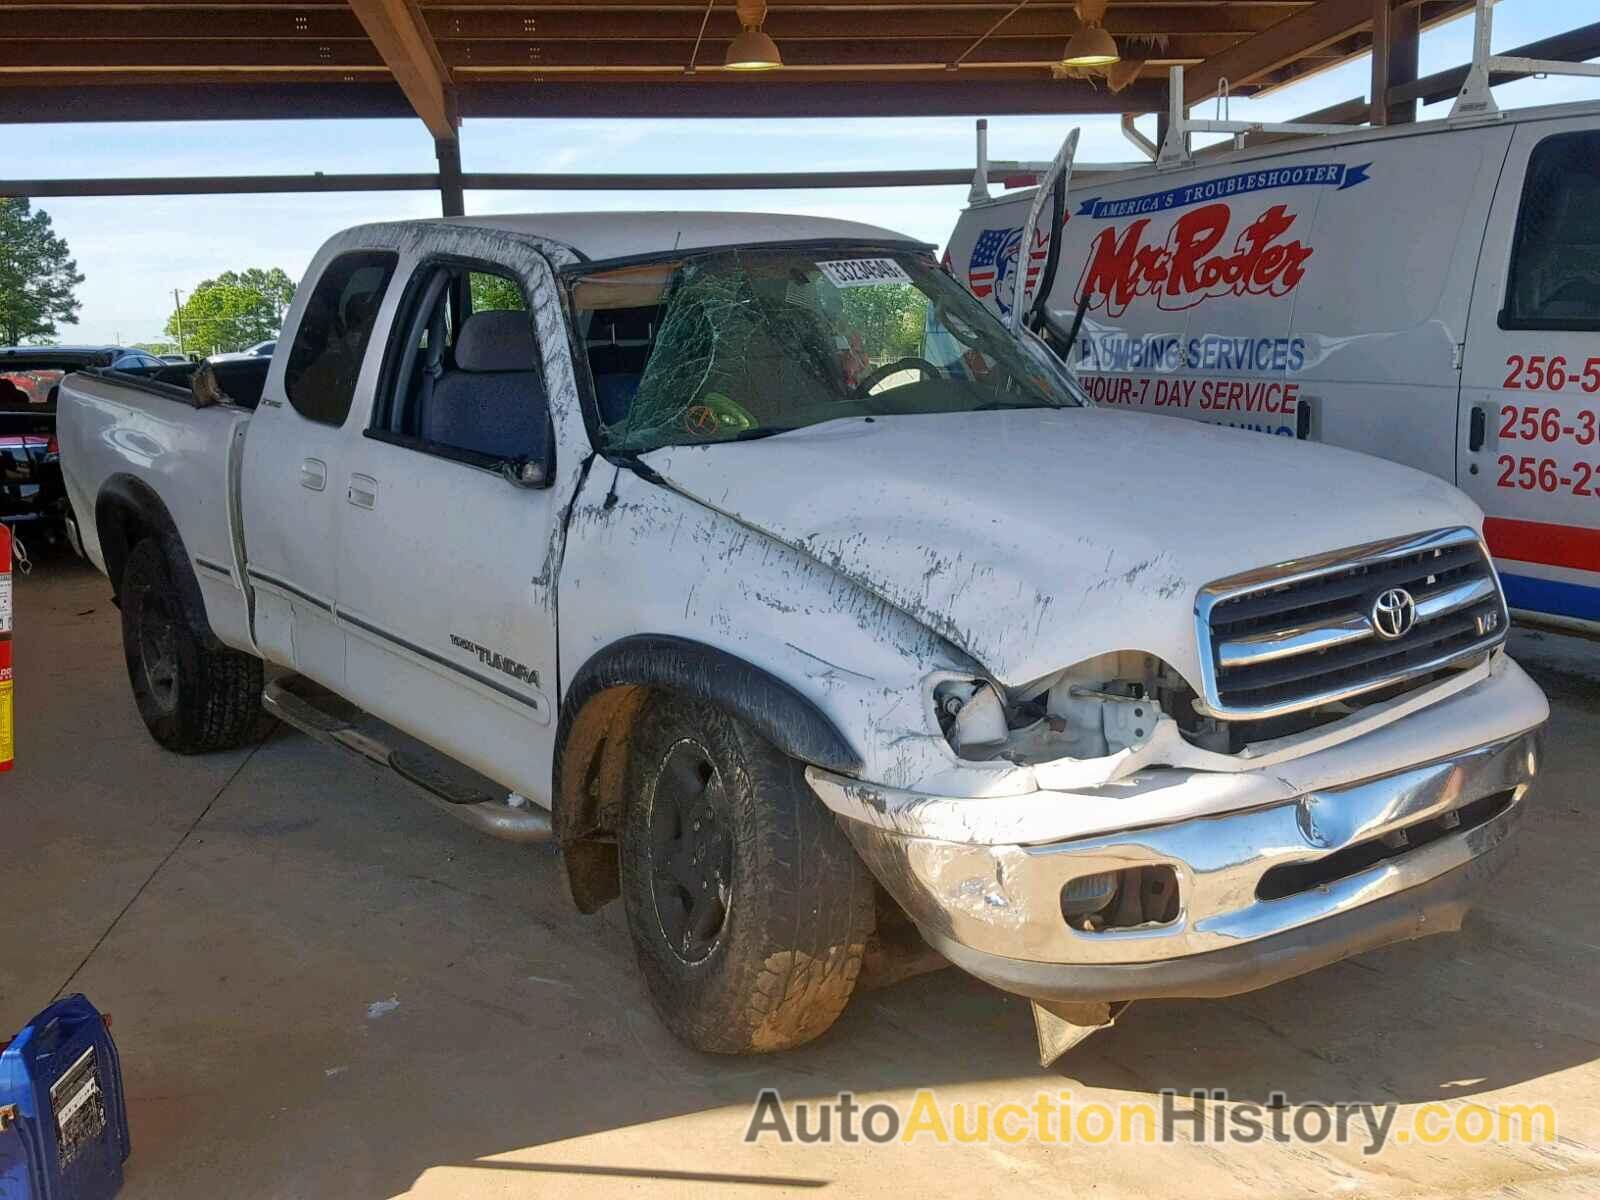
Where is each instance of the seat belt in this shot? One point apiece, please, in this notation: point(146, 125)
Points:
point(433, 365)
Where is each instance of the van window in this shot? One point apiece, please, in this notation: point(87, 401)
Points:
point(1555, 262)
point(325, 362)
point(463, 380)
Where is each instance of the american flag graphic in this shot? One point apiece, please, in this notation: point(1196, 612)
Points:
point(994, 257)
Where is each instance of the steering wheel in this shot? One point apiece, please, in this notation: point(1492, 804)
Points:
point(877, 376)
point(715, 415)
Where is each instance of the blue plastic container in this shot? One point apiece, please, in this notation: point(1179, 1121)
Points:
point(63, 1120)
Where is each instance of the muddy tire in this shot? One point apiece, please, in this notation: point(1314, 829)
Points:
point(748, 907)
point(193, 697)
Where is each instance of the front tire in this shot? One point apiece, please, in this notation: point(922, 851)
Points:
point(748, 907)
point(193, 697)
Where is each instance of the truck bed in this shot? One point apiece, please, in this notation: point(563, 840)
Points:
point(131, 434)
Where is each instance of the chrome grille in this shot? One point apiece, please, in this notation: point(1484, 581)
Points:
point(1302, 633)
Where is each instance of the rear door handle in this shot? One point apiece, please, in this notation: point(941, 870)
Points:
point(1478, 428)
point(314, 474)
point(363, 491)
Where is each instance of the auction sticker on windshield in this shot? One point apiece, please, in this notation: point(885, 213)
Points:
point(863, 272)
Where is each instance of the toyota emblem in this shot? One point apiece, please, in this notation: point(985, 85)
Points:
point(1394, 612)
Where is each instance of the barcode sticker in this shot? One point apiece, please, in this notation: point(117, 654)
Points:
point(863, 272)
point(5, 603)
point(80, 1107)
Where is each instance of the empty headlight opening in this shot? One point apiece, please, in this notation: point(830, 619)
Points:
point(1099, 707)
point(1133, 898)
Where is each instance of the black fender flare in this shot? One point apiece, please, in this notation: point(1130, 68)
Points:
point(128, 510)
point(777, 710)
point(596, 718)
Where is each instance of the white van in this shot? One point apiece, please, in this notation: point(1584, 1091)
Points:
point(1429, 293)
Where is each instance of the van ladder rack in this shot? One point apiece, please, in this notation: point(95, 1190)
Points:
point(1476, 99)
point(1174, 152)
point(1474, 103)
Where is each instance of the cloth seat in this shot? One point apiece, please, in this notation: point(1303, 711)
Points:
point(493, 401)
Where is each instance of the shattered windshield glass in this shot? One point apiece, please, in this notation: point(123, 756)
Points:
point(745, 343)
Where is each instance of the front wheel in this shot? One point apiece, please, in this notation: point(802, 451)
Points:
point(748, 907)
point(193, 697)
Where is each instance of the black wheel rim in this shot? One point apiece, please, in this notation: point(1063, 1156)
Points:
point(691, 852)
point(158, 651)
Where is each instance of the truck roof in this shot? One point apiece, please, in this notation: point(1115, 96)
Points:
point(605, 235)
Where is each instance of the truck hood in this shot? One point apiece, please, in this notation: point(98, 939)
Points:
point(1034, 539)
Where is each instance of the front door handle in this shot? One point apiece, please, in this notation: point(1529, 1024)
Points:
point(1478, 428)
point(363, 491)
point(314, 474)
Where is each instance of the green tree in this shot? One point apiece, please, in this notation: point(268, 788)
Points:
point(235, 310)
point(889, 318)
point(37, 275)
point(494, 292)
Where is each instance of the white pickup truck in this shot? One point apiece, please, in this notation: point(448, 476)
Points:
point(761, 566)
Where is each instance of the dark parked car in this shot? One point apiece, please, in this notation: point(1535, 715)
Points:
point(33, 499)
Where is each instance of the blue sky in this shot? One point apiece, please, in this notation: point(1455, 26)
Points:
point(134, 251)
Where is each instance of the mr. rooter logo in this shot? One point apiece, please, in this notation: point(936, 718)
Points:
point(1188, 268)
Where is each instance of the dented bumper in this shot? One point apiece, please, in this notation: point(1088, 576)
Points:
point(1322, 860)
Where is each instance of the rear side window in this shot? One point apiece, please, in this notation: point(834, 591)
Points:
point(334, 330)
point(1555, 263)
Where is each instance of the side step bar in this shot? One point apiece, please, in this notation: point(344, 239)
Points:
point(483, 812)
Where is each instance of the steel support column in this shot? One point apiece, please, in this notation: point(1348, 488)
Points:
point(1395, 37)
point(451, 198)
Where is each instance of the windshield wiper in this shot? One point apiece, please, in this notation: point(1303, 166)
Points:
point(631, 460)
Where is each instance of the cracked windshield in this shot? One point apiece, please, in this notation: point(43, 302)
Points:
point(742, 344)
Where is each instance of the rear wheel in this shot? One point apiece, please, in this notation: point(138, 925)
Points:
point(193, 697)
point(748, 907)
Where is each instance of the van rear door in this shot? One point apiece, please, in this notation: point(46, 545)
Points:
point(1529, 434)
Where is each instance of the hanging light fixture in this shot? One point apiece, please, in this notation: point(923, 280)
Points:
point(752, 50)
point(1091, 46)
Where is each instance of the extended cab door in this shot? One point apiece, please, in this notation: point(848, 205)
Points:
point(1529, 436)
point(448, 529)
point(291, 499)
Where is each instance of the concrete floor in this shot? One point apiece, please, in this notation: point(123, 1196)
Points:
point(325, 988)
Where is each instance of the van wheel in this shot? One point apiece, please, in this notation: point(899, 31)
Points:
point(193, 698)
point(748, 907)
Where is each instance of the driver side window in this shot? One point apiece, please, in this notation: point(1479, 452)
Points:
point(462, 379)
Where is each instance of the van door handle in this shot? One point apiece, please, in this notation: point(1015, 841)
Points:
point(363, 491)
point(1478, 428)
point(314, 474)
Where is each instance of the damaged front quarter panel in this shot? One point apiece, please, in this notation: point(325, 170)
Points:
point(859, 660)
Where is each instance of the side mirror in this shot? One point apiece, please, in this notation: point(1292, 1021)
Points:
point(535, 472)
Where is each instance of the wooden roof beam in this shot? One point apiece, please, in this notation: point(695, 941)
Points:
point(317, 24)
point(903, 23)
point(924, 94)
point(220, 54)
point(1291, 39)
point(1432, 13)
point(398, 31)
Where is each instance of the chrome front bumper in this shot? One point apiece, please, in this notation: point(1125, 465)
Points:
point(996, 910)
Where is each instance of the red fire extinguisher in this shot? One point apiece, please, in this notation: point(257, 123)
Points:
point(7, 749)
